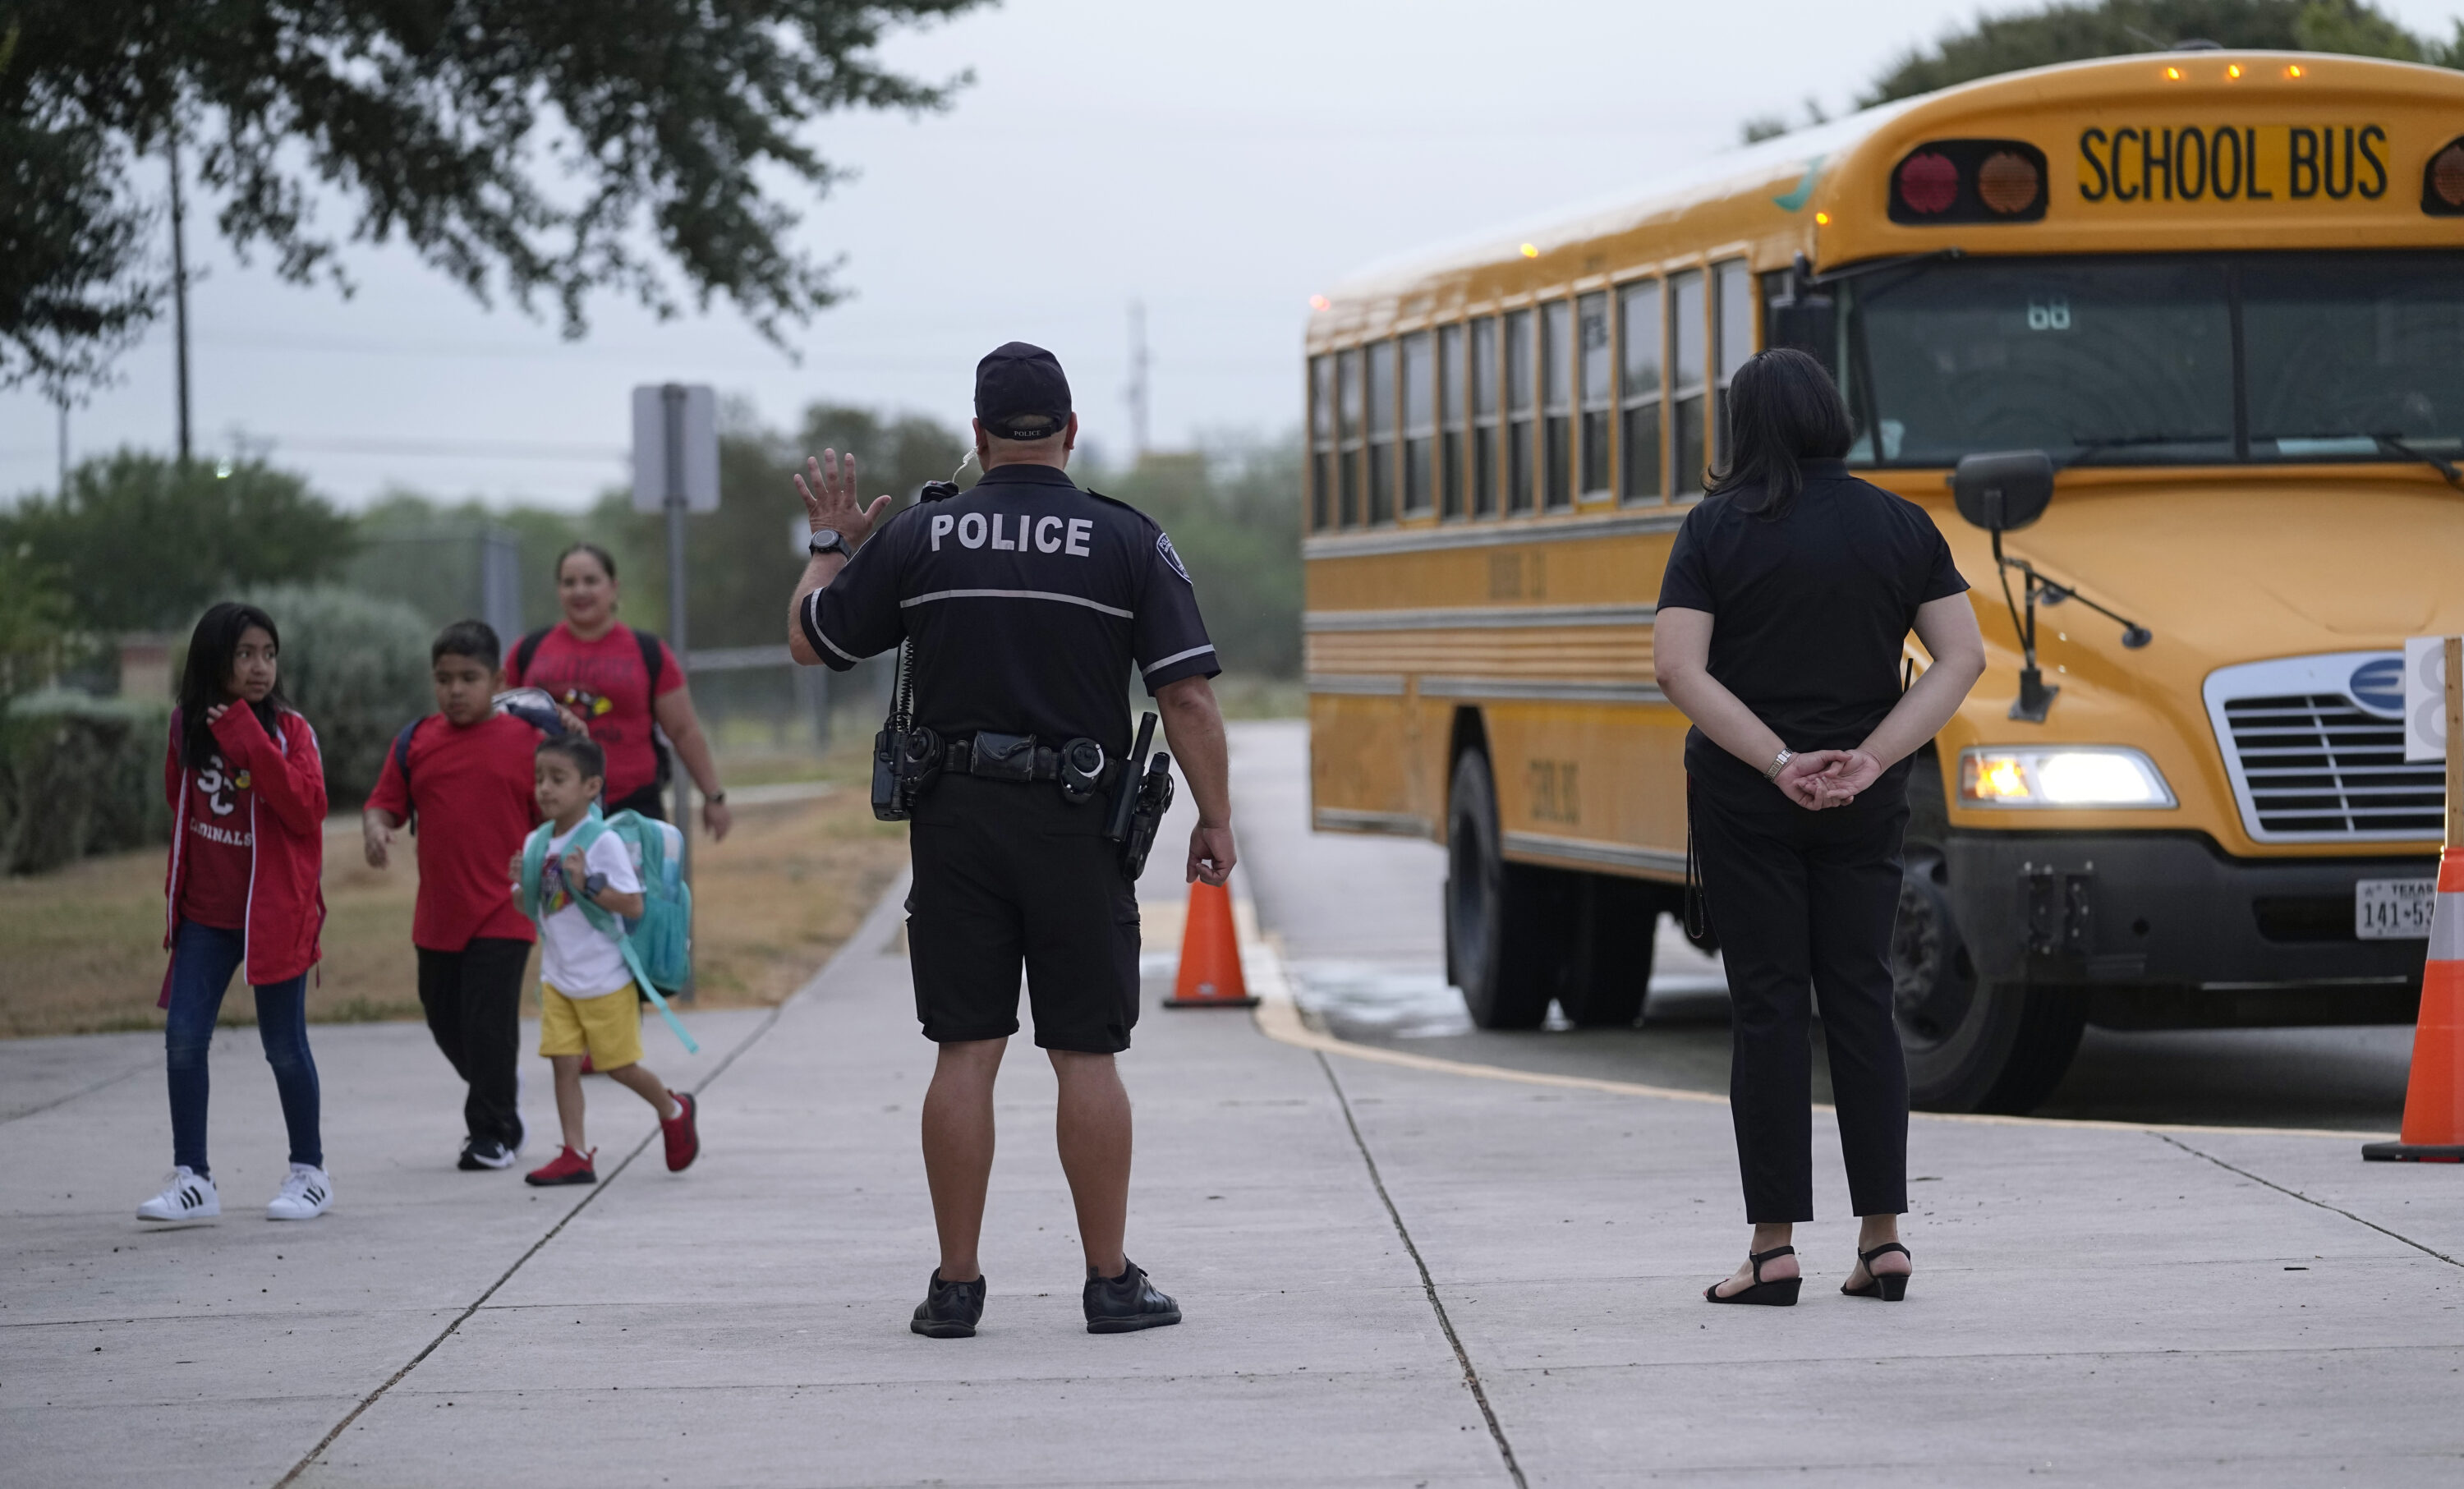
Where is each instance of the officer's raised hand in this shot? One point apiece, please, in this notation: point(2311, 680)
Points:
point(831, 502)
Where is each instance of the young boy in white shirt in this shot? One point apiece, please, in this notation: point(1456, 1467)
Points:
point(587, 995)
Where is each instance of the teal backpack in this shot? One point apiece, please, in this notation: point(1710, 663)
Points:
point(657, 945)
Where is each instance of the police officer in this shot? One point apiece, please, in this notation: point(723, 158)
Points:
point(1028, 601)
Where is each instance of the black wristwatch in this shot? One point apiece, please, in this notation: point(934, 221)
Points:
point(593, 886)
point(829, 540)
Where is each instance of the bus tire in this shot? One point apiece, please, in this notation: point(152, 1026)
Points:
point(1971, 1043)
point(1496, 911)
point(1617, 923)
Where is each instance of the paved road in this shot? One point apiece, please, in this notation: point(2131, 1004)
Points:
point(1360, 921)
point(1395, 1276)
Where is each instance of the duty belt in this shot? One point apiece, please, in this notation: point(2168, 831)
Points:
point(997, 757)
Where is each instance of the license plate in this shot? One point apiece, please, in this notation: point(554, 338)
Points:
point(2393, 909)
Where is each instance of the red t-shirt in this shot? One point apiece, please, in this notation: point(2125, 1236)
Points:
point(221, 845)
point(472, 790)
point(604, 681)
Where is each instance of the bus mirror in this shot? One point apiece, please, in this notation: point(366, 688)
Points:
point(2005, 491)
point(1806, 322)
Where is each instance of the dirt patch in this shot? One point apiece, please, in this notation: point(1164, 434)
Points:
point(80, 949)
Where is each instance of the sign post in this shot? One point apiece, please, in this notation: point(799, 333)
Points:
point(675, 471)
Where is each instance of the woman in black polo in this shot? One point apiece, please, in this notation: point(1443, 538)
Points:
point(1789, 596)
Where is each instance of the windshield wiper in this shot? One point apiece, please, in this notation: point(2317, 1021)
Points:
point(2445, 468)
point(2084, 450)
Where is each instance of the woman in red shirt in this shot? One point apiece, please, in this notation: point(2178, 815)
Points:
point(247, 791)
point(621, 683)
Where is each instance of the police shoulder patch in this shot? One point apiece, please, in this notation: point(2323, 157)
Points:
point(1163, 546)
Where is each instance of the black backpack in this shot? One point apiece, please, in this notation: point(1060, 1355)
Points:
point(654, 660)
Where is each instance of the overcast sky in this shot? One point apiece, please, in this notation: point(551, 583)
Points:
point(1220, 164)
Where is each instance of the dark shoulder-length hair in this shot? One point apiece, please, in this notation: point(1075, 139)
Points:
point(206, 680)
point(1782, 408)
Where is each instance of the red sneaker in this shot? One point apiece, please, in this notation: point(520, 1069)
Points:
point(684, 1137)
point(567, 1167)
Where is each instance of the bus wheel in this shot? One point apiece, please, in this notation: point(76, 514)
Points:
point(1494, 910)
point(1971, 1044)
point(1612, 945)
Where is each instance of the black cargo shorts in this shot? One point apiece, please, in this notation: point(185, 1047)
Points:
point(1007, 873)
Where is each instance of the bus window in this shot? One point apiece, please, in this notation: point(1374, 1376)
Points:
point(1419, 421)
point(1451, 387)
point(1640, 336)
point(1484, 417)
point(1734, 304)
point(1348, 405)
point(2341, 348)
point(2066, 356)
point(1690, 330)
point(1519, 329)
point(1556, 403)
point(1321, 441)
point(1381, 431)
point(1592, 390)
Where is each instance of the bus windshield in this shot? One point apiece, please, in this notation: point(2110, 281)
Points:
point(2183, 358)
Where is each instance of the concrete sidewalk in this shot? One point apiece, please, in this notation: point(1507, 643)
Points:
point(2093, 1304)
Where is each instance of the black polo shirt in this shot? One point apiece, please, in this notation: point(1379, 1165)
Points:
point(1812, 607)
point(1029, 600)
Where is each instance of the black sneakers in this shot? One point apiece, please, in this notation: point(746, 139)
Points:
point(485, 1152)
point(1119, 1304)
point(950, 1309)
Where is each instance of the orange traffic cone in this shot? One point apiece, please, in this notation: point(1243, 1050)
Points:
point(1210, 953)
point(2433, 1098)
point(2434, 1102)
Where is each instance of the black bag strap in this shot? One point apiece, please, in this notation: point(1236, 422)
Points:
point(1698, 921)
point(526, 651)
point(402, 750)
point(654, 660)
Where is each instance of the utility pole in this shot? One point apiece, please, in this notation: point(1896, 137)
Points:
point(180, 292)
point(1137, 392)
point(64, 448)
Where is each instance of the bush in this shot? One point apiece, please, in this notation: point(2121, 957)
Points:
point(357, 667)
point(80, 775)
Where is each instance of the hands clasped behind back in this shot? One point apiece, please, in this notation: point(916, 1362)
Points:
point(1815, 780)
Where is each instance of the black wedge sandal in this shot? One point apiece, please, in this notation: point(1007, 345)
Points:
point(1890, 1286)
point(1780, 1292)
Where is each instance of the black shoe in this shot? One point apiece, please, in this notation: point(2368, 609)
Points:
point(1779, 1292)
point(1119, 1304)
point(485, 1152)
point(949, 1309)
point(1890, 1286)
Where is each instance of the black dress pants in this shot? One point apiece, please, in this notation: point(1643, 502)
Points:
point(1803, 903)
point(474, 1000)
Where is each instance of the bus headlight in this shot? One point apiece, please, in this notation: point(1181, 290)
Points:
point(2107, 775)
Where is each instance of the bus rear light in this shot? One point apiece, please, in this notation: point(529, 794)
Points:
point(2008, 183)
point(1961, 181)
point(2442, 183)
point(1928, 183)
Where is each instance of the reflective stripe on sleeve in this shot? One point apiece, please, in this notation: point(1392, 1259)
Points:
point(813, 628)
point(1013, 594)
point(1178, 656)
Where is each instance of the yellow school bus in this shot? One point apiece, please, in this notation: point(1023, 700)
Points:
point(2213, 301)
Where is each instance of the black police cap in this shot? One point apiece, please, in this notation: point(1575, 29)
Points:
point(1021, 393)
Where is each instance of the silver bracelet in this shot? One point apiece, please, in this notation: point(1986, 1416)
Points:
point(1779, 763)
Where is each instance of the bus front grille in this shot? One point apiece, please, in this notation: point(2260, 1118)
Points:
point(2315, 765)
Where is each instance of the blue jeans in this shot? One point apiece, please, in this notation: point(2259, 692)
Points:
point(203, 960)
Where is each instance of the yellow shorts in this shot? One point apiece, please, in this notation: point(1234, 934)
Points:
point(607, 1028)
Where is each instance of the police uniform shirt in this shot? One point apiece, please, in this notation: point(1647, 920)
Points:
point(1028, 598)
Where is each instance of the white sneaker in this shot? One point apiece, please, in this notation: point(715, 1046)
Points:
point(187, 1195)
point(306, 1195)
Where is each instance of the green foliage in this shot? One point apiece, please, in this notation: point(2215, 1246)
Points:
point(34, 621)
point(546, 148)
point(79, 775)
point(143, 543)
point(2072, 32)
point(1233, 511)
point(356, 667)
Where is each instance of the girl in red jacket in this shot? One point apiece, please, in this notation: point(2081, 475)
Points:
point(248, 833)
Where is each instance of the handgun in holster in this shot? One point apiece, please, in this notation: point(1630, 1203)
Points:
point(1139, 800)
point(906, 756)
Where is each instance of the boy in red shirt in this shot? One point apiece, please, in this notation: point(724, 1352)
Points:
point(466, 772)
